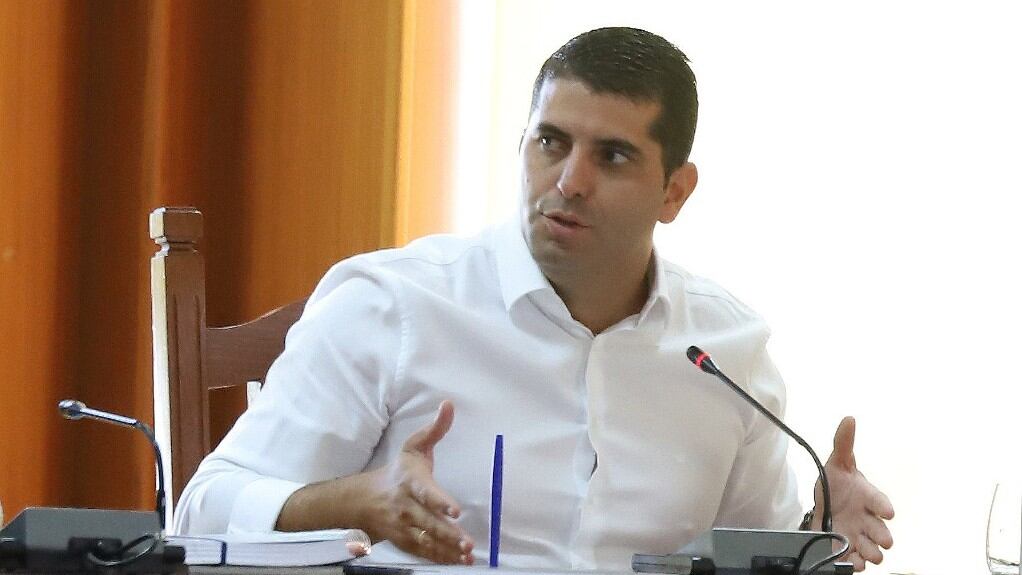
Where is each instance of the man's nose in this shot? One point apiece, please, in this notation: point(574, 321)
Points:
point(576, 176)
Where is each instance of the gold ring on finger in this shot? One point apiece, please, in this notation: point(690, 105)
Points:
point(421, 537)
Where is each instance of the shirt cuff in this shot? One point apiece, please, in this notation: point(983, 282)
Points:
point(258, 505)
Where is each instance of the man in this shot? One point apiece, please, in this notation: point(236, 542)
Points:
point(565, 333)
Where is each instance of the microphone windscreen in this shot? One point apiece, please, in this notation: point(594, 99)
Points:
point(701, 359)
point(71, 408)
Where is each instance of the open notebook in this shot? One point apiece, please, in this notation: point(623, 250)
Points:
point(275, 549)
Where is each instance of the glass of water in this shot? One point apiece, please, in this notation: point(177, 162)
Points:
point(1004, 529)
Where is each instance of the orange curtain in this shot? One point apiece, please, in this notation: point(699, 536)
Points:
point(286, 123)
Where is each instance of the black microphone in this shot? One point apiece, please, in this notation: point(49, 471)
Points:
point(702, 360)
point(74, 410)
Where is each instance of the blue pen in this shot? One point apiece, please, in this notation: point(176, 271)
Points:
point(495, 496)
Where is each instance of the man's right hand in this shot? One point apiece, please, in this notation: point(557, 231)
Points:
point(400, 502)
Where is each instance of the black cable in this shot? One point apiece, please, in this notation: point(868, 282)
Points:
point(120, 559)
point(161, 493)
point(833, 556)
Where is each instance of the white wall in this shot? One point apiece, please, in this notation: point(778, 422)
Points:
point(861, 186)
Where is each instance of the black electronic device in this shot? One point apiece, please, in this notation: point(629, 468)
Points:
point(722, 551)
point(53, 540)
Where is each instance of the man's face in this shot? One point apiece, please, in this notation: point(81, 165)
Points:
point(593, 182)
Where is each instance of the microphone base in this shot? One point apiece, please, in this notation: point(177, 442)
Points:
point(53, 540)
point(722, 551)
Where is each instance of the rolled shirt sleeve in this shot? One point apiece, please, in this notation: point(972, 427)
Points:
point(319, 415)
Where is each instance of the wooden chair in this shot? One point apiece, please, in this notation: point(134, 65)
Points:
point(190, 358)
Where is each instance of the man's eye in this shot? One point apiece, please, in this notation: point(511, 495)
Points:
point(551, 144)
point(615, 157)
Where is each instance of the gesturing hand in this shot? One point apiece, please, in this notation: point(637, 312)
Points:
point(413, 511)
point(400, 502)
point(858, 508)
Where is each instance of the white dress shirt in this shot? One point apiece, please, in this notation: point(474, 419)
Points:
point(613, 444)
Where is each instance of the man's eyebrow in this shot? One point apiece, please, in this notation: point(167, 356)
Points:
point(550, 129)
point(620, 145)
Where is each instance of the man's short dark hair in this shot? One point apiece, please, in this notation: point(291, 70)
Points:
point(640, 66)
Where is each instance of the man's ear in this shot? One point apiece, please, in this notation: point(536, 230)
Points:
point(680, 186)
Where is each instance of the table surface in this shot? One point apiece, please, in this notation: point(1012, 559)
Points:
point(420, 569)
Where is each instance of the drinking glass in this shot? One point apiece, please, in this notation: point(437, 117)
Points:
point(1004, 529)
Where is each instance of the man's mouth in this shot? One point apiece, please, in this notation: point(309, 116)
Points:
point(565, 219)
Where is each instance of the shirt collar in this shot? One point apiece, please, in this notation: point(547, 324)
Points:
point(659, 302)
point(520, 275)
point(518, 272)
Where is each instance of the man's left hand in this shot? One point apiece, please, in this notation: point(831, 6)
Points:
point(858, 508)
